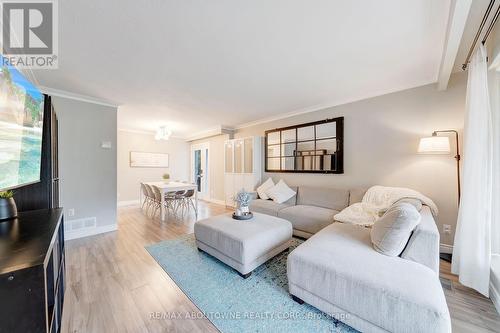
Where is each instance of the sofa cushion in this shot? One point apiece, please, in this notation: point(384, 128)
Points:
point(391, 232)
point(310, 219)
point(268, 207)
point(339, 266)
point(356, 195)
point(261, 190)
point(323, 197)
point(280, 192)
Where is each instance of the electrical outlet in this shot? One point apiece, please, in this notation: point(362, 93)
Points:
point(447, 229)
point(71, 212)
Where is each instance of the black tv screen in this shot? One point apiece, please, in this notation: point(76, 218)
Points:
point(21, 123)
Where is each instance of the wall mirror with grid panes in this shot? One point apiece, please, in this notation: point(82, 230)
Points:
point(315, 147)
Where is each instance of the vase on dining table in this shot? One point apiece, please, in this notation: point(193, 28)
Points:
point(166, 178)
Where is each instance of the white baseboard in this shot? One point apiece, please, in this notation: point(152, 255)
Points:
point(128, 203)
point(215, 201)
point(445, 248)
point(85, 232)
point(495, 296)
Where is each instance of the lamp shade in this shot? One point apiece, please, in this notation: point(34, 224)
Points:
point(434, 145)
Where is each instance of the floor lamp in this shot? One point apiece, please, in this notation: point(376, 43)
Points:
point(441, 145)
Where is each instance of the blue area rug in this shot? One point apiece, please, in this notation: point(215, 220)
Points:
point(260, 303)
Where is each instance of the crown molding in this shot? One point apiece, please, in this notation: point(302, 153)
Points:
point(283, 116)
point(75, 96)
point(145, 132)
point(214, 131)
point(135, 131)
point(323, 106)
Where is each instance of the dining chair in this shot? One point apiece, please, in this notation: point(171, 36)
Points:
point(171, 203)
point(180, 194)
point(189, 199)
point(157, 199)
point(151, 196)
point(186, 201)
point(145, 197)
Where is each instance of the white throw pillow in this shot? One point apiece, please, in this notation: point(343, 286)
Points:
point(261, 190)
point(280, 192)
point(392, 231)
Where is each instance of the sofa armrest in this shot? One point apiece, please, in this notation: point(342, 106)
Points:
point(423, 245)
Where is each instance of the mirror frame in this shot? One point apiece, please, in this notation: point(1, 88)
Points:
point(339, 153)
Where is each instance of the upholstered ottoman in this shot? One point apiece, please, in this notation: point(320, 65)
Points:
point(243, 245)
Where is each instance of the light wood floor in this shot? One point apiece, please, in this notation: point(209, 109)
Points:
point(114, 285)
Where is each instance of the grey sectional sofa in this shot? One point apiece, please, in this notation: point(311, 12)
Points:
point(337, 270)
point(311, 209)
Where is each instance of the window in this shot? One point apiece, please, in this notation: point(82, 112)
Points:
point(315, 147)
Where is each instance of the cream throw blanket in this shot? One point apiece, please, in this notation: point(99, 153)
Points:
point(376, 201)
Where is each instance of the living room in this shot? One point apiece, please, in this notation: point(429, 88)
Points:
point(250, 166)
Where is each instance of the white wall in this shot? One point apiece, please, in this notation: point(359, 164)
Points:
point(87, 172)
point(129, 178)
point(380, 143)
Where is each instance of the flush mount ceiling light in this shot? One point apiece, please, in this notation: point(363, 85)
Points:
point(163, 133)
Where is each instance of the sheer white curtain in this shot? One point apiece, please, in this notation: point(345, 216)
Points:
point(472, 247)
point(494, 78)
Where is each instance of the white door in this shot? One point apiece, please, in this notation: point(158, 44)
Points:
point(200, 162)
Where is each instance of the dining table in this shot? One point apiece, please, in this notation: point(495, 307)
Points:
point(173, 187)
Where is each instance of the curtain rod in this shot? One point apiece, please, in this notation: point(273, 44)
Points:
point(481, 26)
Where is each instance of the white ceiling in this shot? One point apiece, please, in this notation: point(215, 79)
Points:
point(196, 64)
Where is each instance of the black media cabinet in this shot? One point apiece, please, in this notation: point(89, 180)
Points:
point(32, 272)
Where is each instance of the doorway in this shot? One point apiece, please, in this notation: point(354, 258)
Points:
point(200, 162)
